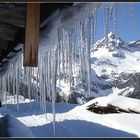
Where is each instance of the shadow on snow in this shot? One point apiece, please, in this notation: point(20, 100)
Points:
point(78, 128)
point(25, 110)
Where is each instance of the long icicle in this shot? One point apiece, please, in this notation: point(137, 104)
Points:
point(88, 55)
point(115, 19)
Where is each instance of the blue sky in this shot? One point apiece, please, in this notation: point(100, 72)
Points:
point(126, 30)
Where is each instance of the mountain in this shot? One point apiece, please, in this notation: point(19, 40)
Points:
point(134, 43)
point(114, 42)
point(118, 65)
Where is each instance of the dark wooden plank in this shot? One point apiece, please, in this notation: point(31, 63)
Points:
point(32, 35)
point(3, 43)
point(108, 109)
point(118, 108)
point(7, 36)
point(7, 28)
point(13, 5)
point(93, 105)
point(14, 17)
point(133, 111)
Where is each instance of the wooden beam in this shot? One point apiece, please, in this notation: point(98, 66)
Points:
point(32, 35)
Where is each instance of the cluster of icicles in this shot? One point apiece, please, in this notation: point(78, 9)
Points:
point(71, 54)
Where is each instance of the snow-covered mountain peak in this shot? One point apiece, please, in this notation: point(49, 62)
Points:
point(112, 35)
point(116, 64)
point(114, 42)
point(134, 43)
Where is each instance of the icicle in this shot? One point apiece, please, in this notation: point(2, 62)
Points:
point(106, 22)
point(14, 83)
point(44, 85)
point(94, 25)
point(67, 58)
point(115, 19)
point(123, 11)
point(4, 90)
point(37, 84)
point(70, 62)
point(17, 89)
point(64, 59)
point(111, 11)
point(59, 55)
point(53, 84)
point(17, 79)
point(129, 13)
point(132, 13)
point(29, 83)
point(8, 83)
point(40, 85)
point(49, 75)
point(62, 51)
point(34, 78)
point(80, 52)
point(11, 79)
point(88, 54)
point(40, 92)
point(75, 55)
point(66, 62)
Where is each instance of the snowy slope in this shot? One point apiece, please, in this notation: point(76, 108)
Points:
point(76, 121)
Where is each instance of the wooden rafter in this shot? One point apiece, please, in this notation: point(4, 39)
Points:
point(32, 35)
